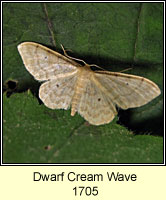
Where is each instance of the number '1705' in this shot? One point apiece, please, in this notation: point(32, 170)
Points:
point(81, 190)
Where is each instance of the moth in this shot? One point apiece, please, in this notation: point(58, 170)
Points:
point(93, 94)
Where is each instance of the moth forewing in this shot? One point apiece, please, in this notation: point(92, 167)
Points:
point(44, 63)
point(128, 91)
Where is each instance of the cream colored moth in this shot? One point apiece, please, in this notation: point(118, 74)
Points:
point(93, 94)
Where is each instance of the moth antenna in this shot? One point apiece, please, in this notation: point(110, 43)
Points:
point(72, 57)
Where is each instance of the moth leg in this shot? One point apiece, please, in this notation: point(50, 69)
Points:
point(72, 57)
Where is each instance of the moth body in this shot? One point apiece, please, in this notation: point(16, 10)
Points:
point(84, 74)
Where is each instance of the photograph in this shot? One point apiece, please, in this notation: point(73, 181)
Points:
point(82, 83)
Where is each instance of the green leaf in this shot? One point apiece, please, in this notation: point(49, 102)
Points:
point(114, 36)
point(35, 134)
